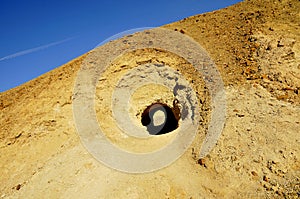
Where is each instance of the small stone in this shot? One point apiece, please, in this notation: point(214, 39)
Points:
point(18, 187)
point(254, 173)
point(266, 179)
point(201, 161)
point(280, 44)
point(18, 135)
point(240, 115)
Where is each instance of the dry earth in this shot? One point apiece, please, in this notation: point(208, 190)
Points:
point(256, 47)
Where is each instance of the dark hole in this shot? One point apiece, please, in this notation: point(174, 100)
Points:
point(172, 116)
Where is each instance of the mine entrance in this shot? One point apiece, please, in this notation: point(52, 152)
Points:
point(159, 118)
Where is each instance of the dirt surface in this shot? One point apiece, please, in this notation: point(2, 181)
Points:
point(256, 47)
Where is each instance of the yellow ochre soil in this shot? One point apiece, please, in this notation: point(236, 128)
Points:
point(255, 45)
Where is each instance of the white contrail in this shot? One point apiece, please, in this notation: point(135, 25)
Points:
point(34, 49)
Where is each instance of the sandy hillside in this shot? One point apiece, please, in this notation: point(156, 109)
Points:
point(255, 46)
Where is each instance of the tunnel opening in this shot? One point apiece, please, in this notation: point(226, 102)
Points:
point(159, 118)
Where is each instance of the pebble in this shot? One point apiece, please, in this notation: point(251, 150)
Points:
point(201, 161)
point(254, 173)
point(18, 187)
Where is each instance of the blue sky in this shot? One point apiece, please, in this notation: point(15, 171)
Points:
point(38, 36)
